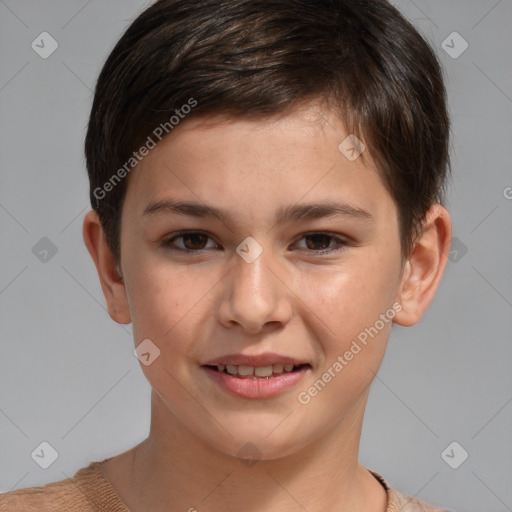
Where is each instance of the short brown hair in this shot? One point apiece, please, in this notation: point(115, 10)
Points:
point(253, 58)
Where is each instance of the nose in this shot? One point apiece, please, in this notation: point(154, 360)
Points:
point(255, 295)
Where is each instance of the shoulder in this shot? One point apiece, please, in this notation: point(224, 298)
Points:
point(398, 502)
point(50, 497)
point(87, 491)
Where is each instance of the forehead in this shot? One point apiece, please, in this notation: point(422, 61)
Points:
point(241, 162)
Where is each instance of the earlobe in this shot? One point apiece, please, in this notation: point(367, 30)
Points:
point(110, 276)
point(423, 270)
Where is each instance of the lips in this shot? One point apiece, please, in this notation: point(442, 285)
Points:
point(256, 376)
point(254, 387)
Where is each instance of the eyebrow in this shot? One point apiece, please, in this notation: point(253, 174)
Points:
point(290, 213)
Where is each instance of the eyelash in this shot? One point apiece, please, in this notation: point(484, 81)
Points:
point(167, 243)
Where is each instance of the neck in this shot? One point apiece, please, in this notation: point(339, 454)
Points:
point(174, 470)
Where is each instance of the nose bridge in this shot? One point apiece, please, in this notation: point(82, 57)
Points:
point(253, 275)
point(254, 296)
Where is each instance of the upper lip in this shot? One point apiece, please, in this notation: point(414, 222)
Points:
point(266, 359)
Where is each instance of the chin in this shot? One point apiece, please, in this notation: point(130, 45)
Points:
point(256, 444)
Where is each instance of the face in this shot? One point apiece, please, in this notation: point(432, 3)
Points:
point(284, 271)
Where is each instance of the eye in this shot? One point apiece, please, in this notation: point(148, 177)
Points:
point(321, 242)
point(197, 241)
point(193, 241)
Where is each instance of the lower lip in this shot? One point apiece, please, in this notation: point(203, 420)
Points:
point(260, 387)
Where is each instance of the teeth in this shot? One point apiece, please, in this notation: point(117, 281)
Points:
point(245, 371)
point(278, 368)
point(262, 371)
point(231, 369)
point(259, 371)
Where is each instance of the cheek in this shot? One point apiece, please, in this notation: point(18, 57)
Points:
point(352, 297)
point(167, 303)
point(356, 313)
point(355, 306)
point(161, 301)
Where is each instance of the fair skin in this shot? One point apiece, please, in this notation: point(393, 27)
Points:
point(292, 301)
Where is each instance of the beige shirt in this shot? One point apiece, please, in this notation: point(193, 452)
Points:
point(89, 490)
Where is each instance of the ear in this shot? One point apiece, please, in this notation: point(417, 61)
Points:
point(424, 267)
point(111, 281)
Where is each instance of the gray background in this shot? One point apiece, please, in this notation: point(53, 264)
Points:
point(68, 375)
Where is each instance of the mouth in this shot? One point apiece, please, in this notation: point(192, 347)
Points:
point(256, 382)
point(258, 372)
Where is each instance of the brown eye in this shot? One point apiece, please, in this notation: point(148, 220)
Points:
point(322, 243)
point(187, 242)
point(194, 241)
point(318, 242)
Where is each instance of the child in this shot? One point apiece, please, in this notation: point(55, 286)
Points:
point(303, 147)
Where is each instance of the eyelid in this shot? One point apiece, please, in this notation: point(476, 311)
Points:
point(341, 241)
point(166, 241)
